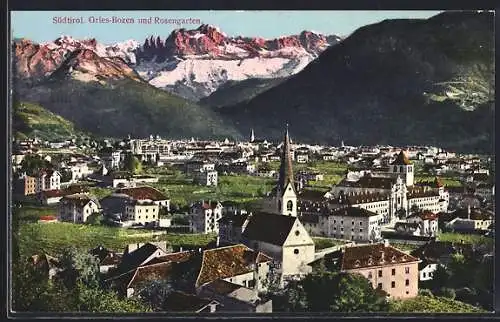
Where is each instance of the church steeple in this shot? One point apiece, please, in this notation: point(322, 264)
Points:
point(252, 136)
point(286, 170)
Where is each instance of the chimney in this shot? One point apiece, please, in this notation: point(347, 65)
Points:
point(382, 256)
point(468, 211)
point(218, 241)
point(386, 243)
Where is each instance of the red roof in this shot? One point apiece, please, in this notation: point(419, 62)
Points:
point(142, 193)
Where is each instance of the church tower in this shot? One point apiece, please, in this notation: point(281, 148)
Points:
point(252, 136)
point(286, 195)
point(402, 167)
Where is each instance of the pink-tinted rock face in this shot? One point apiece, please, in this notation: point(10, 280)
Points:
point(209, 40)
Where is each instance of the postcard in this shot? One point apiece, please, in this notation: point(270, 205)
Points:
point(257, 162)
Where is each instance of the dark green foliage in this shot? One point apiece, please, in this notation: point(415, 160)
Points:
point(133, 164)
point(79, 267)
point(33, 163)
point(332, 292)
point(95, 219)
point(155, 293)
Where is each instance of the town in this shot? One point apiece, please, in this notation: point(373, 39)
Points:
point(222, 226)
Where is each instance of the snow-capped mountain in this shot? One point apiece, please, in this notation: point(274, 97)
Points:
point(190, 63)
point(195, 63)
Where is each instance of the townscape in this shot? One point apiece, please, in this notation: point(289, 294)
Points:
point(197, 226)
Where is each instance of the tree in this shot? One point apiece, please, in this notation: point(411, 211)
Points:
point(334, 292)
point(33, 163)
point(95, 219)
point(79, 267)
point(133, 164)
point(156, 293)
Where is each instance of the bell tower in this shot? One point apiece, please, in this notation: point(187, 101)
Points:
point(403, 167)
point(286, 194)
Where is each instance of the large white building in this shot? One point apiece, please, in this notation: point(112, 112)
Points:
point(352, 223)
point(204, 216)
point(47, 180)
point(77, 208)
point(399, 195)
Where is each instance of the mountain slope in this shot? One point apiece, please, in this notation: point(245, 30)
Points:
point(32, 120)
point(104, 96)
point(234, 92)
point(395, 82)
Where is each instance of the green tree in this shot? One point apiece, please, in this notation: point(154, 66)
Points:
point(33, 163)
point(133, 164)
point(95, 219)
point(334, 292)
point(156, 293)
point(79, 267)
point(95, 300)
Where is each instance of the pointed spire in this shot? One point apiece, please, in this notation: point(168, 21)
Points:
point(252, 136)
point(286, 170)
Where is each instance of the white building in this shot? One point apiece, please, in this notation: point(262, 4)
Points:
point(48, 180)
point(206, 178)
point(77, 208)
point(427, 222)
point(204, 216)
point(352, 223)
point(142, 212)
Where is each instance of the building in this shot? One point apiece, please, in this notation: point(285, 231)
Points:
point(283, 198)
point(142, 212)
point(427, 221)
point(204, 216)
point(48, 180)
point(283, 238)
point(352, 223)
point(77, 208)
point(235, 264)
point(197, 166)
point(29, 185)
point(206, 178)
point(147, 194)
point(385, 267)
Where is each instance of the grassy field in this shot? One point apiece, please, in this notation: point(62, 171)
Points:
point(53, 237)
point(426, 304)
point(322, 242)
point(466, 238)
point(182, 190)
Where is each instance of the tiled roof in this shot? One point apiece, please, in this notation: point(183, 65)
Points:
point(369, 182)
point(226, 262)
point(178, 257)
point(148, 273)
point(309, 218)
point(236, 220)
point(475, 214)
point(424, 215)
point(79, 199)
point(357, 199)
point(405, 225)
point(137, 257)
point(183, 302)
point(222, 287)
point(401, 159)
point(422, 194)
point(373, 255)
point(270, 228)
point(311, 195)
point(142, 193)
point(353, 212)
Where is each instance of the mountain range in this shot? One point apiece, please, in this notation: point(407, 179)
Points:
point(396, 82)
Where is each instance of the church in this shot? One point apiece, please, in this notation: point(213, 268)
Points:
point(275, 230)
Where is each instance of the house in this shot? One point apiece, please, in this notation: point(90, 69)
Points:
point(385, 267)
point(408, 228)
point(77, 208)
point(236, 264)
point(79, 170)
point(48, 180)
point(283, 238)
point(197, 166)
point(206, 178)
point(231, 228)
point(183, 302)
point(108, 260)
point(485, 190)
point(471, 220)
point(426, 269)
point(427, 222)
point(204, 216)
point(235, 298)
point(147, 193)
point(352, 223)
point(29, 185)
point(51, 197)
point(142, 212)
point(302, 157)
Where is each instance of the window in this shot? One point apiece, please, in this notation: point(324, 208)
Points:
point(407, 270)
point(297, 233)
point(393, 284)
point(353, 222)
point(379, 286)
point(370, 275)
point(393, 271)
point(361, 223)
point(296, 251)
point(154, 210)
point(289, 205)
point(379, 273)
point(251, 283)
point(147, 210)
point(425, 274)
point(407, 282)
point(361, 230)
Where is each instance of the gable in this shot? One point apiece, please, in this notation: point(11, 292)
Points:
point(289, 191)
point(298, 235)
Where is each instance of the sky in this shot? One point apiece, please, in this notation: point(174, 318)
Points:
point(44, 26)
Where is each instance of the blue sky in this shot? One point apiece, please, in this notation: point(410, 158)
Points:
point(39, 26)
